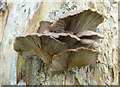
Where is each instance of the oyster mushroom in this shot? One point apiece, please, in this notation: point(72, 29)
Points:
point(72, 58)
point(89, 35)
point(44, 46)
point(64, 44)
point(77, 21)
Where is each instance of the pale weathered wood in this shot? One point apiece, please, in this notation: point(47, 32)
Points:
point(19, 22)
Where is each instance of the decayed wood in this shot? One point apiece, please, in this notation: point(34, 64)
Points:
point(20, 68)
point(34, 21)
point(105, 72)
point(4, 12)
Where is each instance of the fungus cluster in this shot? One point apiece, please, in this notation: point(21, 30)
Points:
point(66, 43)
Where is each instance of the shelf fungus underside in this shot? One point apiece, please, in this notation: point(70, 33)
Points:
point(66, 43)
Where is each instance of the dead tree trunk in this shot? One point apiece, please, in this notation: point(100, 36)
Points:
point(24, 17)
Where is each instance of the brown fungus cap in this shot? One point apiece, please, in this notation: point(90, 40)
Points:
point(77, 21)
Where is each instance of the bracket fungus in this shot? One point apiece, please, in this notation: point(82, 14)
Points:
point(66, 43)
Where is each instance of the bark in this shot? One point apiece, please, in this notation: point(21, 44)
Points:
point(23, 17)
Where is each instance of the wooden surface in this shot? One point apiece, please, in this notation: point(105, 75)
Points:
point(23, 17)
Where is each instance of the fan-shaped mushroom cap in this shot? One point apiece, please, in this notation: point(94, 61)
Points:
point(49, 44)
point(44, 27)
point(90, 35)
point(68, 38)
point(43, 45)
point(88, 43)
point(78, 21)
point(73, 58)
